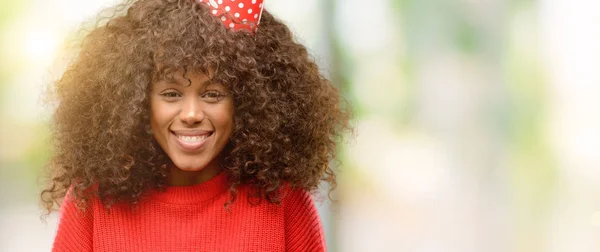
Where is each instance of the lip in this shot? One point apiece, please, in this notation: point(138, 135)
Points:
point(191, 147)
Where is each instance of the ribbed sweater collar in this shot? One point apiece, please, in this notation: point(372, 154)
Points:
point(195, 193)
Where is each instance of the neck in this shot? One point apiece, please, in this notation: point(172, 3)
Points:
point(178, 177)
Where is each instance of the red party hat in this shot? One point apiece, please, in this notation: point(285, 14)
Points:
point(237, 14)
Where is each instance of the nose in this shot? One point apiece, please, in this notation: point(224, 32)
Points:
point(191, 112)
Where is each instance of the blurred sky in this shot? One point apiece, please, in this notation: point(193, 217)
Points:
point(478, 123)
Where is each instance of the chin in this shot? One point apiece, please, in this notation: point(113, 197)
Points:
point(189, 166)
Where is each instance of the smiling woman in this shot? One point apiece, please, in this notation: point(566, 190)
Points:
point(199, 130)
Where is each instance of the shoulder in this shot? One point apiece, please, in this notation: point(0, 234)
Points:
point(299, 207)
point(298, 204)
point(74, 204)
point(303, 228)
point(75, 224)
point(294, 196)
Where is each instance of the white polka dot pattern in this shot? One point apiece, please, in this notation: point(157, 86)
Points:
point(243, 15)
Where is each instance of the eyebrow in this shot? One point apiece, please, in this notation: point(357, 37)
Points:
point(184, 83)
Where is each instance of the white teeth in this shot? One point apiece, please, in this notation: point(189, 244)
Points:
point(192, 139)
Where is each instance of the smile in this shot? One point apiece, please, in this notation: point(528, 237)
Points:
point(189, 141)
point(192, 139)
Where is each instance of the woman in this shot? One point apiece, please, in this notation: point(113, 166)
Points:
point(190, 125)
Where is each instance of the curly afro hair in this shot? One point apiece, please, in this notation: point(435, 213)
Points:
point(288, 117)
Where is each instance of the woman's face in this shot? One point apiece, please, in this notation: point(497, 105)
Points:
point(192, 123)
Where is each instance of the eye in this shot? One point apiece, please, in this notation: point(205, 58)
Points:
point(170, 95)
point(212, 96)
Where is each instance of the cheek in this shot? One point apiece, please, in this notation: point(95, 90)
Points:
point(229, 117)
point(160, 114)
point(223, 117)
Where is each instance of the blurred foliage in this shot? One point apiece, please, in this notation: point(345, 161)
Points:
point(534, 174)
point(23, 145)
point(9, 11)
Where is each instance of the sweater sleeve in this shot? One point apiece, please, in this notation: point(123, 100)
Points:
point(303, 229)
point(75, 227)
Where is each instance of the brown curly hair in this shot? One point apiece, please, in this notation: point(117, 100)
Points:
point(287, 116)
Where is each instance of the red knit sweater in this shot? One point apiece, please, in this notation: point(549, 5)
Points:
point(193, 218)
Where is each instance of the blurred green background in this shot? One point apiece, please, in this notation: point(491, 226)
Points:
point(477, 121)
